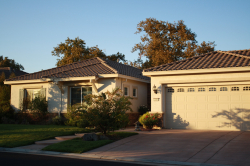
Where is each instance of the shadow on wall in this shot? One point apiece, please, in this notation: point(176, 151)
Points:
point(239, 118)
point(179, 123)
point(56, 101)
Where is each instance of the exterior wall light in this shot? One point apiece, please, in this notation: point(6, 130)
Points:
point(155, 89)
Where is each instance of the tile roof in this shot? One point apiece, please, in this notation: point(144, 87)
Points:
point(8, 70)
point(216, 59)
point(85, 68)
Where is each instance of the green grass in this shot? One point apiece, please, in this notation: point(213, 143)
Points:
point(77, 145)
point(12, 135)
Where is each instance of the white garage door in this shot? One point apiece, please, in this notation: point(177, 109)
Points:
point(208, 107)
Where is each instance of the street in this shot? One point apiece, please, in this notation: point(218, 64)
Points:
point(11, 159)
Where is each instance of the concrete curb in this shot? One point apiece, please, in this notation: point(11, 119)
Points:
point(88, 156)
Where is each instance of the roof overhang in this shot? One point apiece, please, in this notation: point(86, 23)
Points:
point(42, 80)
point(197, 71)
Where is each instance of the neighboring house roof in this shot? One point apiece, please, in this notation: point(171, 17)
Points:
point(85, 68)
point(216, 59)
point(8, 70)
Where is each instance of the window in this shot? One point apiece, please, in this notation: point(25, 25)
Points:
point(190, 89)
point(180, 90)
point(246, 88)
point(170, 90)
point(134, 92)
point(77, 94)
point(223, 88)
point(235, 89)
point(201, 89)
point(212, 89)
point(126, 91)
point(26, 96)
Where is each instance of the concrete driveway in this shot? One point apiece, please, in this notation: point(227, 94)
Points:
point(189, 146)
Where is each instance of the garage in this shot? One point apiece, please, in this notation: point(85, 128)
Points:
point(208, 92)
point(208, 107)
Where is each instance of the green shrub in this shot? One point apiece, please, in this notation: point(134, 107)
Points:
point(58, 120)
point(149, 120)
point(107, 111)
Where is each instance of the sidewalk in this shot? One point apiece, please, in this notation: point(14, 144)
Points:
point(177, 147)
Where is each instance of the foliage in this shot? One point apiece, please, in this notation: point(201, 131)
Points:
point(75, 50)
point(143, 109)
point(164, 42)
point(5, 108)
point(149, 120)
point(6, 62)
point(13, 135)
point(77, 145)
point(58, 120)
point(107, 111)
point(75, 117)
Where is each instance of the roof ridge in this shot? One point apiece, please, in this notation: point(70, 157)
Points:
point(105, 64)
point(226, 52)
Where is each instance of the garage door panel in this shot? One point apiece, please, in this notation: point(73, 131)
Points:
point(201, 107)
point(202, 98)
point(212, 107)
point(191, 115)
point(235, 98)
point(245, 97)
point(202, 115)
point(212, 98)
point(224, 98)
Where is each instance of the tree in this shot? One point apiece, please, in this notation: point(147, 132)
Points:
point(165, 42)
point(6, 62)
point(75, 50)
point(117, 56)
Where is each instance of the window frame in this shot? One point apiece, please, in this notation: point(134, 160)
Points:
point(70, 94)
point(136, 91)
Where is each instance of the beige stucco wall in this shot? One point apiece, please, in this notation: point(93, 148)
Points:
point(59, 100)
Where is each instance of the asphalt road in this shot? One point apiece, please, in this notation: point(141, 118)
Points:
point(18, 159)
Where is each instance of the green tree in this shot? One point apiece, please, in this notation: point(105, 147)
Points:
point(75, 50)
point(6, 62)
point(164, 42)
point(115, 57)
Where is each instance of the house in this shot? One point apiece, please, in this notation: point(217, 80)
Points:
point(210, 91)
point(67, 85)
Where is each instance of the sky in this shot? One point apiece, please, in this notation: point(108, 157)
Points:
point(30, 29)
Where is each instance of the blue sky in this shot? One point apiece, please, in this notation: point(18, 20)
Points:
point(29, 29)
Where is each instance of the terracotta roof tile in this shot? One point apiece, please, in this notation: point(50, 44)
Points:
point(89, 67)
point(216, 59)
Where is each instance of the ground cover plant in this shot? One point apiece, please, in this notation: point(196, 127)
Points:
point(12, 135)
point(77, 145)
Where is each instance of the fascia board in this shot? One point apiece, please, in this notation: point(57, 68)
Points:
point(197, 71)
point(48, 80)
point(122, 76)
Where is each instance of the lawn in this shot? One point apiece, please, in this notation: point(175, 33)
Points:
point(77, 145)
point(12, 135)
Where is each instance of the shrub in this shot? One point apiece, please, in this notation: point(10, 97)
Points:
point(73, 116)
point(143, 109)
point(107, 111)
point(149, 120)
point(58, 120)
